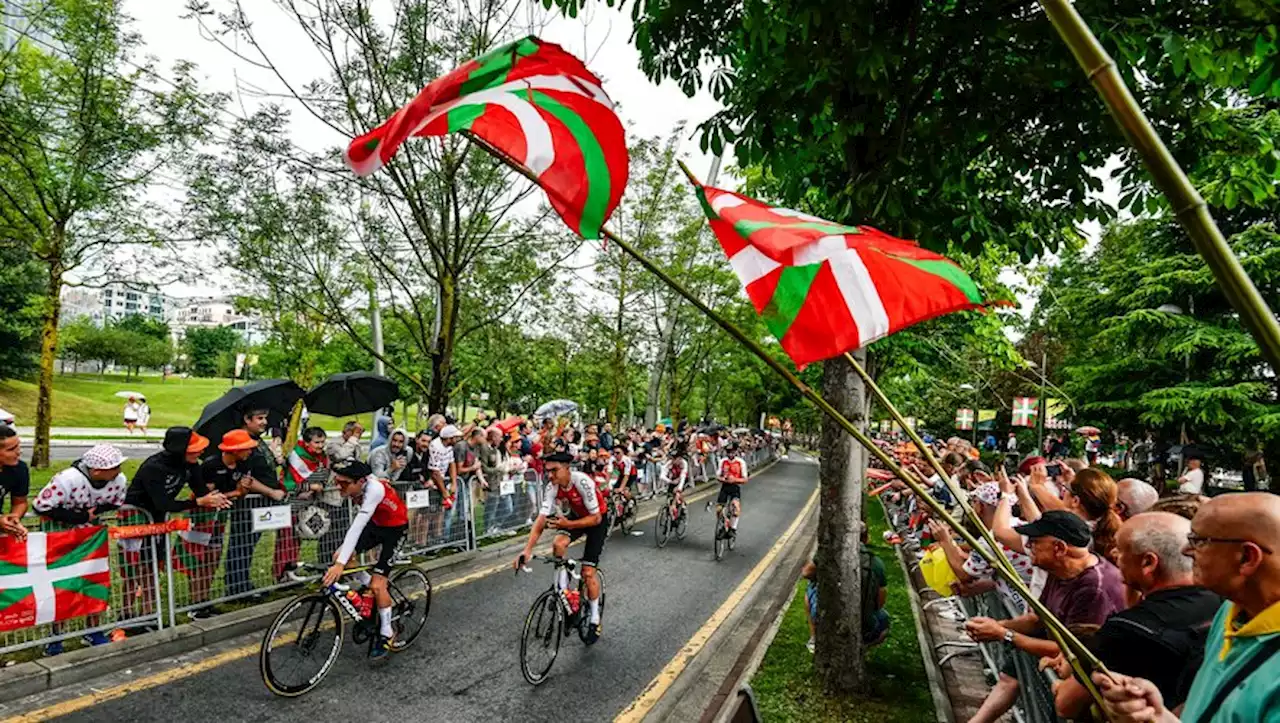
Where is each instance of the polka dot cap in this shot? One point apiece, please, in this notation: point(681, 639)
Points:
point(103, 456)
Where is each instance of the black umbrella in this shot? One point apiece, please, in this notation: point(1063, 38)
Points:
point(225, 413)
point(352, 393)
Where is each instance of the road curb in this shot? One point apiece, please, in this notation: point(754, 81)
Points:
point(711, 677)
point(24, 679)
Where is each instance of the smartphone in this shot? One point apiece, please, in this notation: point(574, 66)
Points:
point(1054, 469)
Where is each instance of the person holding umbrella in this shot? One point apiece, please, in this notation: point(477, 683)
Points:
point(131, 412)
point(262, 468)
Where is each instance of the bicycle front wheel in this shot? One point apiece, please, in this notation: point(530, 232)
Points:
point(628, 519)
point(410, 605)
point(301, 645)
point(663, 529)
point(721, 541)
point(540, 642)
point(682, 524)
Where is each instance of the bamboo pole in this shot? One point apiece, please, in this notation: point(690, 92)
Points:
point(1188, 205)
point(1070, 645)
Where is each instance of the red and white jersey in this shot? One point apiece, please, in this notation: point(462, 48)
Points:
point(624, 468)
point(733, 467)
point(389, 510)
point(582, 496)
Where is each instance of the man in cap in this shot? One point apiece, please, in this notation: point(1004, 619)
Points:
point(162, 477)
point(76, 496)
point(1082, 589)
point(263, 469)
point(15, 482)
point(586, 517)
point(380, 522)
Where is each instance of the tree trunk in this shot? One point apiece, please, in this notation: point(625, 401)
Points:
point(660, 367)
point(838, 658)
point(48, 355)
point(442, 356)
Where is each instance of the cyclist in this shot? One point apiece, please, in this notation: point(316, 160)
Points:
point(675, 475)
point(380, 521)
point(733, 474)
point(625, 468)
point(586, 517)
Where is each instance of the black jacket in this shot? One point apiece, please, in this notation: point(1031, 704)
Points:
point(162, 477)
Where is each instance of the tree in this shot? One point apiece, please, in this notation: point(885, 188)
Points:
point(144, 326)
point(20, 305)
point(81, 138)
point(204, 345)
point(417, 231)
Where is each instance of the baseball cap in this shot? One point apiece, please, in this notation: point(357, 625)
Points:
point(449, 432)
point(987, 493)
point(103, 456)
point(237, 440)
point(1060, 524)
point(353, 468)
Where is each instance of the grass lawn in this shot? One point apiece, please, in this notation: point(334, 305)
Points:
point(787, 688)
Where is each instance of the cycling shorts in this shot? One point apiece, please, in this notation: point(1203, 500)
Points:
point(728, 492)
point(388, 538)
point(625, 482)
point(595, 542)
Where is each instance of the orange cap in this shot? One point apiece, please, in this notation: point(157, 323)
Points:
point(197, 443)
point(237, 440)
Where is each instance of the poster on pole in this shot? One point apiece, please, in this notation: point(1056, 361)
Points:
point(986, 419)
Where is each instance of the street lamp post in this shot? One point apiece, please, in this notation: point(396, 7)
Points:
point(1176, 310)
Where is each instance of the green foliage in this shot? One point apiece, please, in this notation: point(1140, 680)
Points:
point(119, 343)
point(20, 307)
point(144, 326)
point(207, 349)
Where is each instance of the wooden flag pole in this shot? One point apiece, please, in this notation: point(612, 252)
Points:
point(1070, 645)
point(1187, 204)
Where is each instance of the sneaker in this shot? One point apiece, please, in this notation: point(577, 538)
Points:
point(594, 631)
point(95, 639)
point(381, 649)
point(52, 649)
point(810, 646)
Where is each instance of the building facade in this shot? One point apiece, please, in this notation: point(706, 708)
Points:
point(114, 302)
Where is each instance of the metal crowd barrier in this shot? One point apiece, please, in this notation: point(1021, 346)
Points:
point(133, 599)
point(1035, 702)
point(509, 505)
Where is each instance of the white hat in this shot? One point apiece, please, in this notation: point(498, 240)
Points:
point(449, 432)
point(103, 456)
point(5, 417)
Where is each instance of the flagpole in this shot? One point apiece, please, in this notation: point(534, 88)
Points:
point(1070, 645)
point(1187, 204)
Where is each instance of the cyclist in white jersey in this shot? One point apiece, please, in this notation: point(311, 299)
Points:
point(586, 517)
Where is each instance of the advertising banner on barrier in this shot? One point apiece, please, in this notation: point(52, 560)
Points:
point(417, 499)
point(130, 532)
point(272, 518)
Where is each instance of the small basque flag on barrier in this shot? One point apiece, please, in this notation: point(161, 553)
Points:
point(53, 576)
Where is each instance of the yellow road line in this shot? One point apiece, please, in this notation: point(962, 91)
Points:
point(657, 687)
point(168, 676)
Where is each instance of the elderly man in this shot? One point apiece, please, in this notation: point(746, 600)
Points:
point(1162, 636)
point(1133, 497)
point(346, 447)
point(1082, 589)
point(1233, 544)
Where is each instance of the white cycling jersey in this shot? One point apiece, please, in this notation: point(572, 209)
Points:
point(582, 496)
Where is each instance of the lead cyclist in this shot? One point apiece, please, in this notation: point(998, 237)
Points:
point(586, 517)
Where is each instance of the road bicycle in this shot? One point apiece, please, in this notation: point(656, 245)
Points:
point(666, 523)
point(303, 642)
point(622, 512)
point(553, 616)
point(725, 538)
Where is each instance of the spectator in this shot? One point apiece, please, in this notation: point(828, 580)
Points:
point(91, 486)
point(1255, 471)
point(15, 482)
point(1180, 505)
point(1133, 497)
point(308, 468)
point(391, 460)
point(346, 447)
point(1233, 544)
point(1161, 637)
point(441, 465)
point(1192, 481)
point(226, 473)
point(514, 466)
point(1092, 496)
point(972, 567)
point(131, 411)
point(261, 468)
point(606, 436)
point(144, 415)
point(466, 465)
point(383, 424)
point(1082, 589)
point(491, 453)
point(874, 584)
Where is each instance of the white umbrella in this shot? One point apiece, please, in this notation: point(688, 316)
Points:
point(126, 395)
point(6, 418)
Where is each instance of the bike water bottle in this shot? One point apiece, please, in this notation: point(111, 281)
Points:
point(353, 597)
point(366, 604)
point(574, 602)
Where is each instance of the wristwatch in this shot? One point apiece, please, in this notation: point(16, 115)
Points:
point(1008, 636)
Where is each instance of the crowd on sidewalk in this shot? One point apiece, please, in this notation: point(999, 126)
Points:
point(485, 465)
point(1177, 595)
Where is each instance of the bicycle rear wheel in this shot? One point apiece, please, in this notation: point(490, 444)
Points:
point(628, 519)
point(663, 526)
point(721, 541)
point(301, 645)
point(410, 590)
point(682, 524)
point(540, 642)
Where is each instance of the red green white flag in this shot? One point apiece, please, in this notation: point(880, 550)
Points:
point(53, 576)
point(823, 288)
point(964, 419)
point(537, 105)
point(1025, 410)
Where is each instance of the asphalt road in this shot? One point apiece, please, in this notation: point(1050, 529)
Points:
point(465, 666)
point(72, 450)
